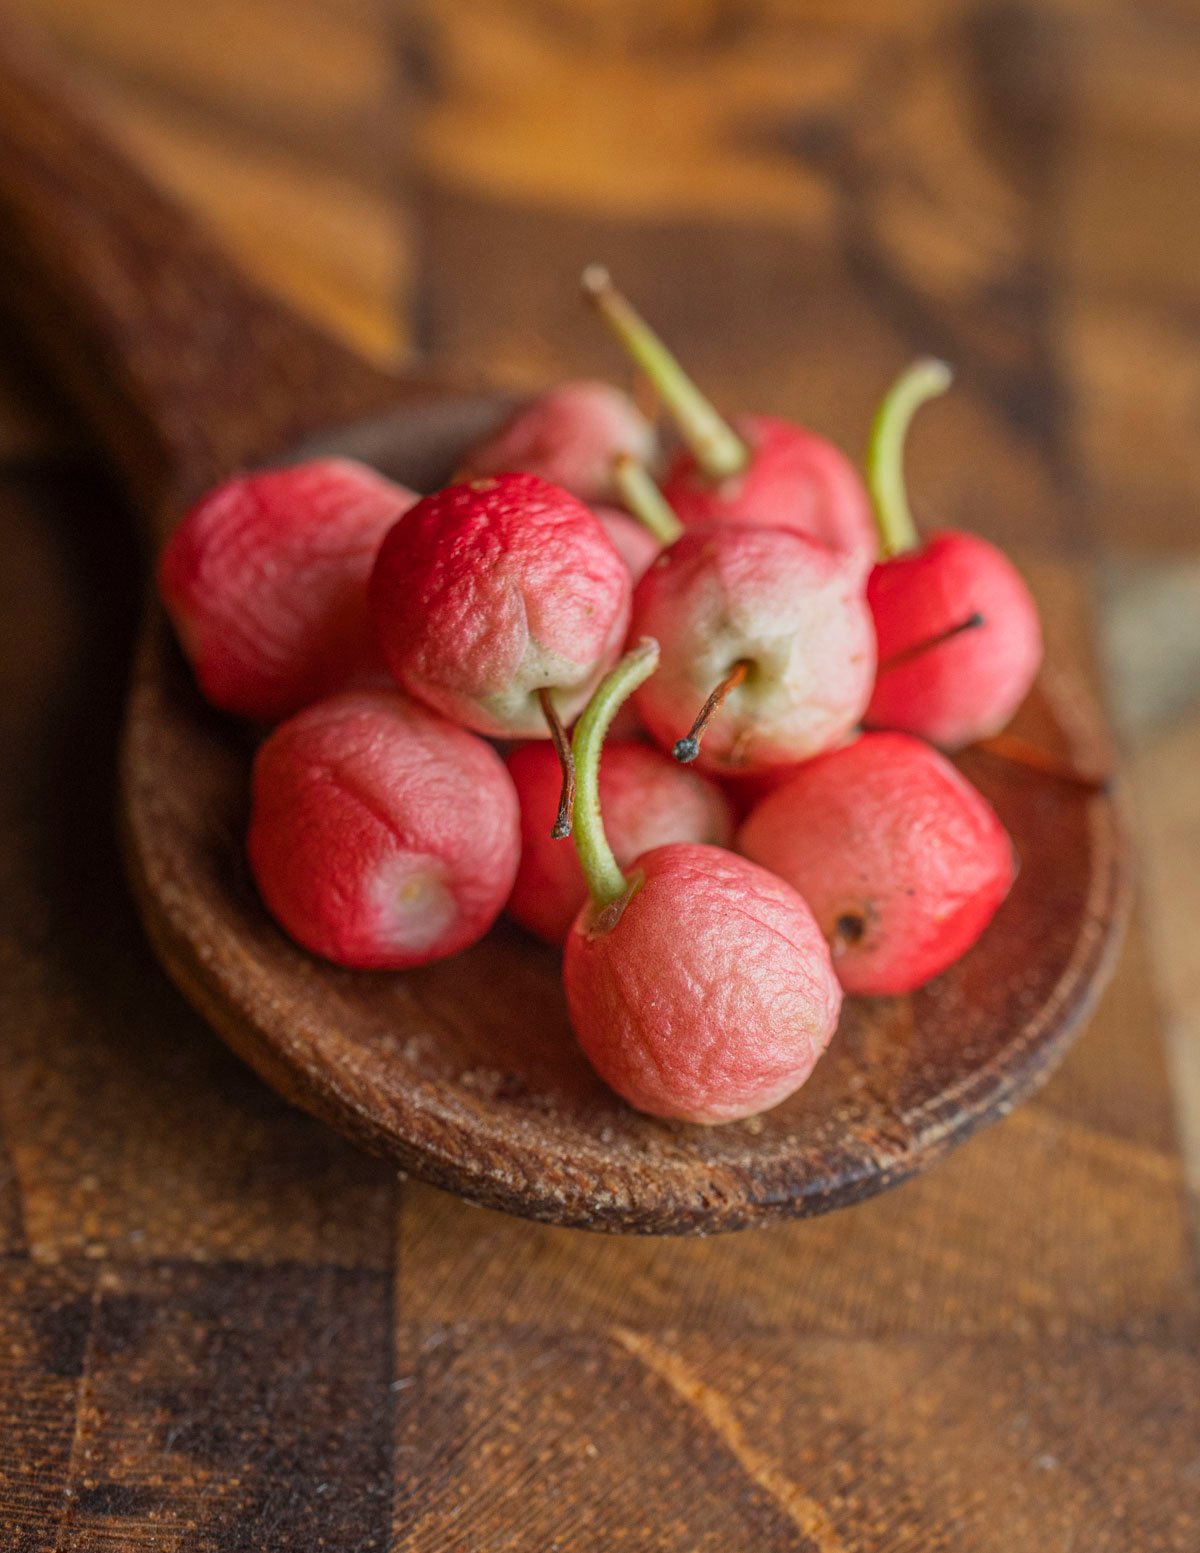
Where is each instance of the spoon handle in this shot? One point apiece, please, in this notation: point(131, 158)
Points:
point(186, 368)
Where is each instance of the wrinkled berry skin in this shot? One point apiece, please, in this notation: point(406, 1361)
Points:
point(381, 835)
point(903, 862)
point(647, 799)
point(491, 590)
point(794, 480)
point(728, 593)
point(569, 435)
point(265, 581)
point(634, 543)
point(708, 993)
point(969, 687)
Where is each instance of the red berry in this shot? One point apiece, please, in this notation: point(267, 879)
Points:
point(648, 801)
point(776, 602)
point(903, 863)
point(705, 994)
point(495, 590)
point(959, 638)
point(759, 471)
point(569, 436)
point(265, 583)
point(381, 836)
point(966, 685)
point(793, 479)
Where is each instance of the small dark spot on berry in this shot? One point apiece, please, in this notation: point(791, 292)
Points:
point(850, 927)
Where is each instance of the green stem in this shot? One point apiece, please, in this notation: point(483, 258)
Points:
point(605, 881)
point(923, 381)
point(645, 501)
point(717, 448)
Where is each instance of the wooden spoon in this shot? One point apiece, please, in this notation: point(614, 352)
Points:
point(466, 1072)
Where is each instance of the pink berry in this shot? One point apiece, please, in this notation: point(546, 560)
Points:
point(760, 470)
point(265, 582)
point(494, 595)
point(707, 994)
point(698, 985)
point(648, 801)
point(381, 835)
point(792, 479)
point(569, 436)
point(903, 862)
point(959, 638)
point(780, 606)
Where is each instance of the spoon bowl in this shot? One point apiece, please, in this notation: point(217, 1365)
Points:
point(465, 1072)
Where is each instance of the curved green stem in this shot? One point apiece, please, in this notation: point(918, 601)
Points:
point(917, 384)
point(641, 495)
point(717, 448)
point(605, 881)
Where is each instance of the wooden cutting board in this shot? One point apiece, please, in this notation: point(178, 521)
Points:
point(223, 1329)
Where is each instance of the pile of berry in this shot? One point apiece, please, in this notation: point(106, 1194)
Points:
point(745, 852)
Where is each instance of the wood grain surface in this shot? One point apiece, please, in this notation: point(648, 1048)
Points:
point(221, 1328)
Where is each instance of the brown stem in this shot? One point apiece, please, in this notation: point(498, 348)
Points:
point(905, 654)
point(688, 748)
point(1023, 752)
point(848, 931)
point(562, 748)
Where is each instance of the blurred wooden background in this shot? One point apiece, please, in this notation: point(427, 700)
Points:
point(220, 1328)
